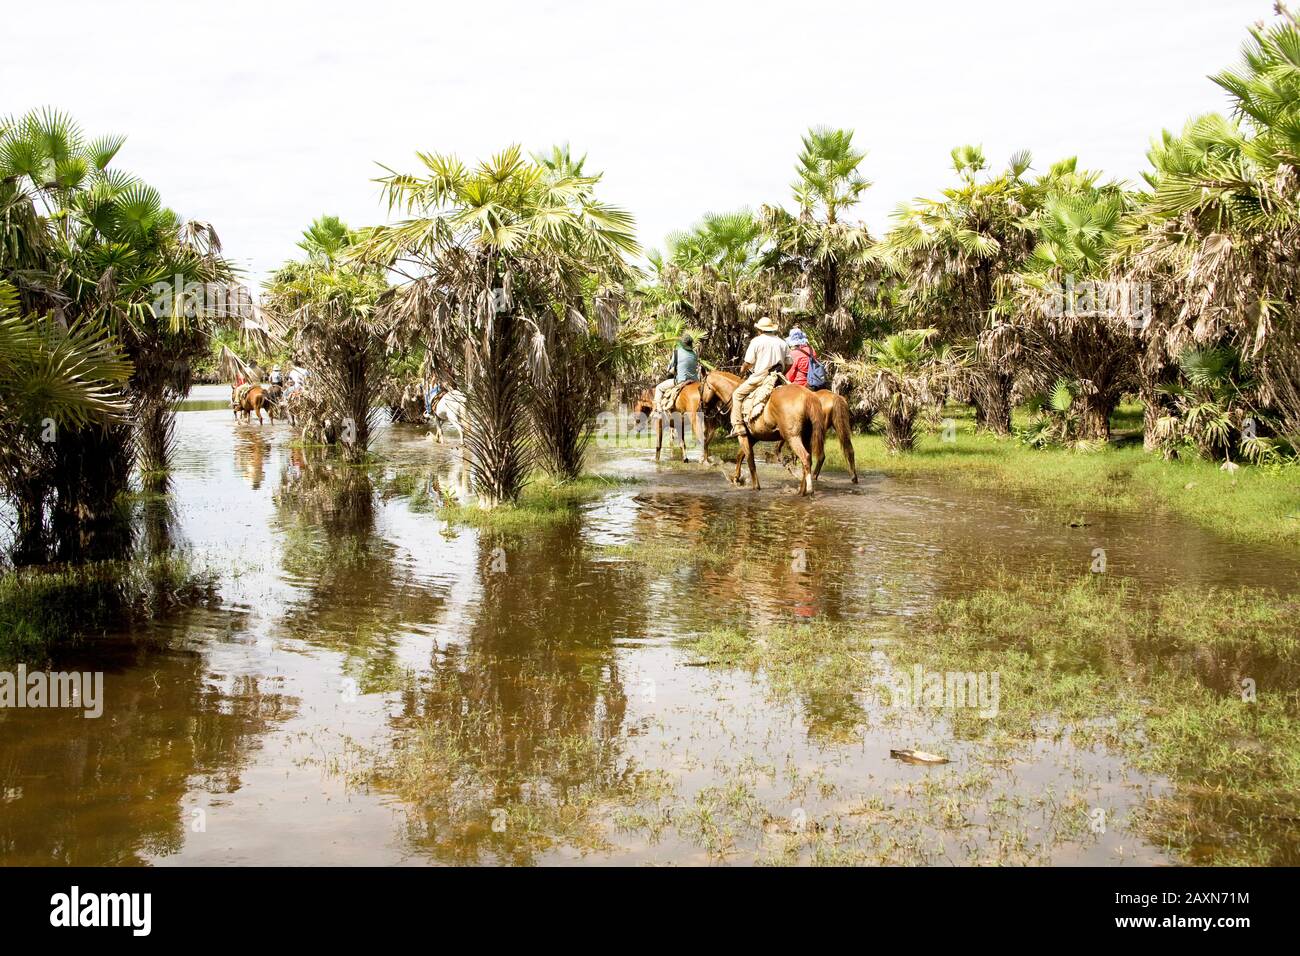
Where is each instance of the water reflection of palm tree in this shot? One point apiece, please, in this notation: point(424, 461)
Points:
point(112, 791)
point(358, 597)
point(520, 723)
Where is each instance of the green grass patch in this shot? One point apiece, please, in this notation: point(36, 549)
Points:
point(1258, 504)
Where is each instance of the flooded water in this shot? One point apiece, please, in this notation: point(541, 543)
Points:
point(374, 686)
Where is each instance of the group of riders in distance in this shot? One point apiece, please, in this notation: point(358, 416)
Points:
point(273, 396)
point(781, 395)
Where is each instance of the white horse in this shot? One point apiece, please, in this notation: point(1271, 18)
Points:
point(449, 410)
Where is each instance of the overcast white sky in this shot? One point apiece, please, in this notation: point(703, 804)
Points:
point(259, 116)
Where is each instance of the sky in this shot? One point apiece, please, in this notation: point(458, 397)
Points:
point(260, 116)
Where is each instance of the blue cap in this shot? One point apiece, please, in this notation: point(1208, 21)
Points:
point(796, 337)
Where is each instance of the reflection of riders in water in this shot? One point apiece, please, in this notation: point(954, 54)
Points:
point(250, 457)
point(297, 462)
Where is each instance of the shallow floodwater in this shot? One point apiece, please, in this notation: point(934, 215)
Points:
point(536, 686)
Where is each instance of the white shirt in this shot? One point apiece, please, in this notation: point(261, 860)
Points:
point(767, 352)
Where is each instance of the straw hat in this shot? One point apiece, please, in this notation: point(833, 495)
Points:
point(765, 324)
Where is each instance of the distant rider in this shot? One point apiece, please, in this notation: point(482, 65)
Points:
point(684, 366)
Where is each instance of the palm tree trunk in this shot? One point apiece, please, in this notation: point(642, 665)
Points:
point(495, 404)
point(92, 468)
point(993, 405)
point(1094, 417)
point(831, 287)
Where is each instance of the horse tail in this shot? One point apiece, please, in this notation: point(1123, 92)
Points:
point(840, 420)
point(815, 433)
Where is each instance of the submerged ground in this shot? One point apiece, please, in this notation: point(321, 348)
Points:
point(666, 669)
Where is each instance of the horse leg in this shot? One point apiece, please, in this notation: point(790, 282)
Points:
point(679, 432)
point(659, 434)
point(806, 473)
point(753, 466)
point(740, 457)
point(697, 426)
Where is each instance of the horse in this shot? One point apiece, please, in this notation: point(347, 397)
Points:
point(791, 413)
point(639, 412)
point(253, 400)
point(449, 409)
point(835, 408)
point(687, 406)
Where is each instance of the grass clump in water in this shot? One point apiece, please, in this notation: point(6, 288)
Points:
point(1196, 685)
point(544, 502)
point(42, 610)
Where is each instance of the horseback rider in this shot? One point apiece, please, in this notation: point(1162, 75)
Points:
point(684, 366)
point(804, 370)
point(767, 353)
point(432, 396)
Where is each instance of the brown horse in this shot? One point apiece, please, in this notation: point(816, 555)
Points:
point(835, 408)
point(687, 407)
point(254, 400)
point(792, 414)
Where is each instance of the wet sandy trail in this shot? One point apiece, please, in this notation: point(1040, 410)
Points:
point(568, 723)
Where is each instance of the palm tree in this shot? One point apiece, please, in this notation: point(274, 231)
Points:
point(90, 246)
point(904, 374)
point(1074, 322)
point(957, 255)
point(1054, 420)
point(1144, 258)
point(499, 259)
point(711, 278)
point(51, 379)
point(1223, 210)
point(1210, 408)
point(818, 242)
point(324, 309)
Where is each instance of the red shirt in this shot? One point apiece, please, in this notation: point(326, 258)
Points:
point(797, 374)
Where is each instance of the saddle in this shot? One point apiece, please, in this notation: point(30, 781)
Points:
point(756, 401)
point(670, 397)
point(242, 391)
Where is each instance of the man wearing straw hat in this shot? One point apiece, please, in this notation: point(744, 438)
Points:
point(767, 353)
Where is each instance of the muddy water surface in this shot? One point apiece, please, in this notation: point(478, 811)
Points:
point(372, 685)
